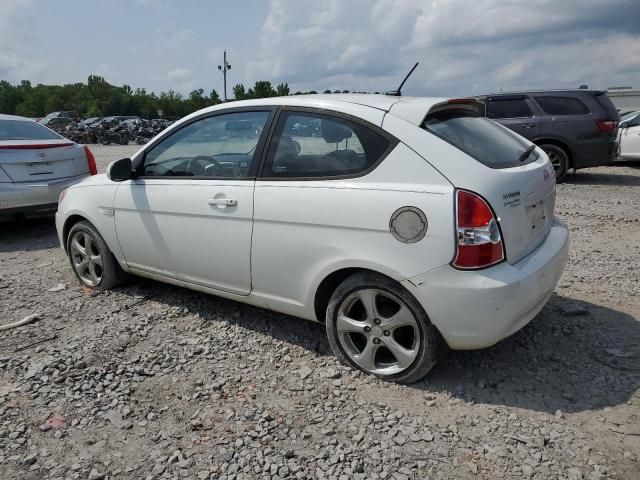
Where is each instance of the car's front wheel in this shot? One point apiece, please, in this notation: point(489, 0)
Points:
point(375, 325)
point(91, 260)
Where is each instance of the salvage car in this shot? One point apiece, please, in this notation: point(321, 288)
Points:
point(36, 164)
point(405, 225)
point(575, 128)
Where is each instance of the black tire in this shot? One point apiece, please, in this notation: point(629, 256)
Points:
point(111, 275)
point(431, 345)
point(559, 159)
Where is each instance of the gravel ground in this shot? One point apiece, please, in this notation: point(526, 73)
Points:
point(153, 381)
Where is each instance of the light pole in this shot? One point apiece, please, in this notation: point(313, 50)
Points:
point(224, 68)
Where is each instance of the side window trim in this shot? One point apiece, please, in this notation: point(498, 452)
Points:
point(255, 165)
point(269, 150)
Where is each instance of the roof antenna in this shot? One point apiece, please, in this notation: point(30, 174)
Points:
point(397, 92)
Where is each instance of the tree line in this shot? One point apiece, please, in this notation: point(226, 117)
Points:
point(97, 97)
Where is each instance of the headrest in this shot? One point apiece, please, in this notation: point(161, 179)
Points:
point(334, 132)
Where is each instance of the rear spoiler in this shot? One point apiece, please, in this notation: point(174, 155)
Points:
point(473, 104)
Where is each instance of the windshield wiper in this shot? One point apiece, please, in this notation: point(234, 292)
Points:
point(526, 153)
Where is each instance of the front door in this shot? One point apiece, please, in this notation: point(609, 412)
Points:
point(188, 214)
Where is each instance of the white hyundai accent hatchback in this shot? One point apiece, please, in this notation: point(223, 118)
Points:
point(403, 224)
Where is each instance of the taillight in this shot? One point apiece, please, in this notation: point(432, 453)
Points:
point(91, 161)
point(479, 242)
point(61, 196)
point(607, 126)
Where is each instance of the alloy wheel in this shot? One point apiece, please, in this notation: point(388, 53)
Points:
point(378, 331)
point(555, 160)
point(86, 259)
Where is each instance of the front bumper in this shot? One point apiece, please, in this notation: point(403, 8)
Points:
point(476, 309)
point(33, 197)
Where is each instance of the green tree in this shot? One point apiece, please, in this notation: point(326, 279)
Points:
point(239, 92)
point(282, 90)
point(214, 98)
point(262, 89)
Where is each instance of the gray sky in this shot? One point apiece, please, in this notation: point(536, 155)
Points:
point(464, 47)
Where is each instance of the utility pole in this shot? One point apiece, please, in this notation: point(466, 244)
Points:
point(224, 68)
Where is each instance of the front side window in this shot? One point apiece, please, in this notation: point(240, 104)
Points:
point(25, 130)
point(508, 108)
point(309, 144)
point(562, 105)
point(220, 146)
point(488, 142)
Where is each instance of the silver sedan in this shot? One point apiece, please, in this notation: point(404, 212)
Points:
point(36, 164)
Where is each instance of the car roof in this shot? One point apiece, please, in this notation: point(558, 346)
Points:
point(4, 116)
point(412, 109)
point(570, 91)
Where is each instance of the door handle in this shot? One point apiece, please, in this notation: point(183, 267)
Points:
point(527, 125)
point(227, 202)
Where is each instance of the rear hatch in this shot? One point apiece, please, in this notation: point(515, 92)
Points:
point(45, 161)
point(515, 177)
point(30, 152)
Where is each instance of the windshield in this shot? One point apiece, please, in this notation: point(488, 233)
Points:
point(485, 140)
point(24, 130)
point(628, 115)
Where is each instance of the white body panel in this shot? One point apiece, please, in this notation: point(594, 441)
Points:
point(630, 142)
point(285, 237)
point(168, 227)
point(92, 199)
point(305, 230)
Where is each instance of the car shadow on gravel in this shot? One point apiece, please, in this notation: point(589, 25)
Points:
point(584, 178)
point(574, 356)
point(210, 308)
point(28, 234)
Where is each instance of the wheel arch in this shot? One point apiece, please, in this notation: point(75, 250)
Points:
point(68, 225)
point(558, 143)
point(330, 282)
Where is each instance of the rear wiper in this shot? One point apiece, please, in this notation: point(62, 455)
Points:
point(526, 153)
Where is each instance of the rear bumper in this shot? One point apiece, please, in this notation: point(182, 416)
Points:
point(476, 309)
point(33, 197)
point(595, 154)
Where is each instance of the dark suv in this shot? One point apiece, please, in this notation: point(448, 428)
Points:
point(576, 128)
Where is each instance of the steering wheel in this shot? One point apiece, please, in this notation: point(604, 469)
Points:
point(201, 162)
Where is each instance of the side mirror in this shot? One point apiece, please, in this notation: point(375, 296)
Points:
point(120, 170)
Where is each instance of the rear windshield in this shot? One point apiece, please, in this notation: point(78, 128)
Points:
point(22, 130)
point(483, 139)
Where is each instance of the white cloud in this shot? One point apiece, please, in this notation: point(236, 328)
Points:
point(463, 47)
point(179, 74)
point(15, 59)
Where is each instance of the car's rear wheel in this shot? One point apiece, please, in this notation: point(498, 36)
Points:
point(91, 260)
point(375, 325)
point(559, 159)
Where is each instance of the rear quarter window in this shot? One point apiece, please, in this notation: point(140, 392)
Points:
point(562, 105)
point(309, 144)
point(482, 139)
